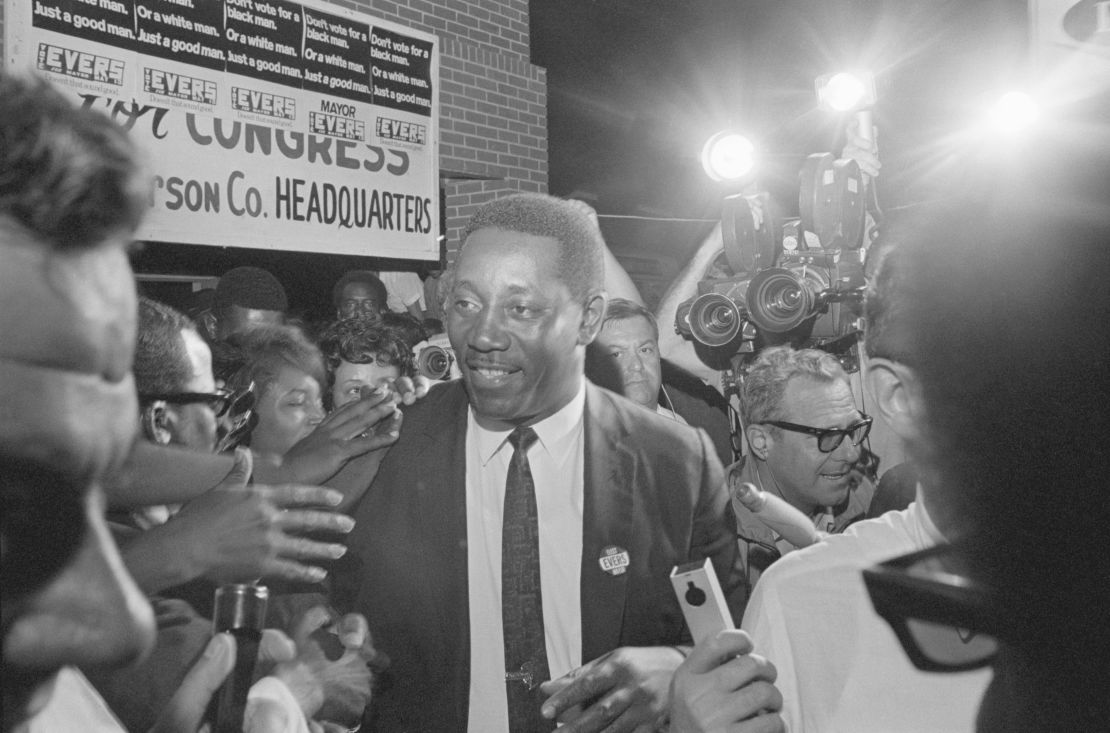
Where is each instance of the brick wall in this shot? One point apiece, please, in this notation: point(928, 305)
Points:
point(493, 101)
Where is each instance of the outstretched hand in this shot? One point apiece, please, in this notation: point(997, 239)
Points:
point(370, 422)
point(237, 532)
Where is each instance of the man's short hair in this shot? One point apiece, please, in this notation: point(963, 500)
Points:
point(267, 349)
point(622, 309)
point(360, 276)
point(357, 341)
point(765, 384)
point(250, 287)
point(70, 177)
point(884, 334)
point(161, 362)
point(580, 255)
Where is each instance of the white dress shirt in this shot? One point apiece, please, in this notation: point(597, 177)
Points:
point(840, 666)
point(557, 465)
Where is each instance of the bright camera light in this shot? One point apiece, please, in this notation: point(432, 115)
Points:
point(843, 92)
point(728, 156)
point(1014, 113)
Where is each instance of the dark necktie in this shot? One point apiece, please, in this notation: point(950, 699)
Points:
point(521, 601)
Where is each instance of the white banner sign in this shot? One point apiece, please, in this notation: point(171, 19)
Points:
point(268, 123)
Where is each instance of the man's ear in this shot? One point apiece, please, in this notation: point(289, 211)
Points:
point(593, 315)
point(157, 421)
point(897, 396)
point(759, 440)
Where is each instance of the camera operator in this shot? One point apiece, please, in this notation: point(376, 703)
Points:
point(803, 431)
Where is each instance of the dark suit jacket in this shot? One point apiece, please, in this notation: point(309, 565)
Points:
point(652, 487)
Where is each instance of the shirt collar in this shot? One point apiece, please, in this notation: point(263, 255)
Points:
point(554, 432)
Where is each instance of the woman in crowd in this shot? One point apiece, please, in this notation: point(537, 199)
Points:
point(360, 353)
point(288, 374)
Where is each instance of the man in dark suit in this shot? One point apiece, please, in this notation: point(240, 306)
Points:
point(622, 495)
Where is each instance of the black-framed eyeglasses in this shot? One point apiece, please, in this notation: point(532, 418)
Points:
point(220, 400)
point(359, 306)
point(236, 428)
point(944, 620)
point(829, 439)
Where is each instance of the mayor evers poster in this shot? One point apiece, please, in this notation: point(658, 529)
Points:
point(266, 123)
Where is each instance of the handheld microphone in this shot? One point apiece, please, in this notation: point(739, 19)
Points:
point(240, 610)
point(794, 526)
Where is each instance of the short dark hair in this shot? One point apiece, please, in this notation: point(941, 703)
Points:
point(250, 287)
point(580, 257)
point(358, 341)
point(69, 175)
point(161, 363)
point(883, 308)
point(622, 309)
point(265, 350)
point(360, 276)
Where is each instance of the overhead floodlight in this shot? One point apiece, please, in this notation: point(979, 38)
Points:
point(728, 156)
point(845, 92)
point(1014, 113)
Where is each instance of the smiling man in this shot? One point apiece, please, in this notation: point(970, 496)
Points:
point(502, 616)
point(804, 434)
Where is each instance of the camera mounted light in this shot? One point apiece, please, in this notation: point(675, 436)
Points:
point(1014, 113)
point(728, 156)
point(846, 92)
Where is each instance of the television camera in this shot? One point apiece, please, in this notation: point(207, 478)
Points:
point(799, 282)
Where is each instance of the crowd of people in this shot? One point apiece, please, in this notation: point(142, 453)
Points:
point(493, 552)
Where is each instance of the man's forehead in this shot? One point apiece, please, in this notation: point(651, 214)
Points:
point(635, 326)
point(815, 399)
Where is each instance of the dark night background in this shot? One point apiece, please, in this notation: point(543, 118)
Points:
point(636, 86)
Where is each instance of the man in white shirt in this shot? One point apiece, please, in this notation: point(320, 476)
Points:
point(620, 496)
point(405, 292)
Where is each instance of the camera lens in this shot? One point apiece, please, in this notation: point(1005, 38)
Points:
point(715, 319)
point(433, 362)
point(780, 300)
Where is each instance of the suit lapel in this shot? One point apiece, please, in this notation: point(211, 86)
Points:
point(440, 468)
point(610, 473)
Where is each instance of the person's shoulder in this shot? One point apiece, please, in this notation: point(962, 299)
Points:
point(444, 400)
point(861, 545)
point(647, 426)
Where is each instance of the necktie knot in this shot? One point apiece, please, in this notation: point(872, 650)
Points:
point(522, 438)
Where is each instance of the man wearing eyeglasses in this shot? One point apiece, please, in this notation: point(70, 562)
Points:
point(839, 666)
point(359, 294)
point(804, 433)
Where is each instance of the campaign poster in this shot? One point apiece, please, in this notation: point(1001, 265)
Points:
point(271, 124)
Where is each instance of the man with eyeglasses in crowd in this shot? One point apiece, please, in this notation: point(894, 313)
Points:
point(803, 431)
point(359, 294)
point(233, 533)
point(839, 666)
